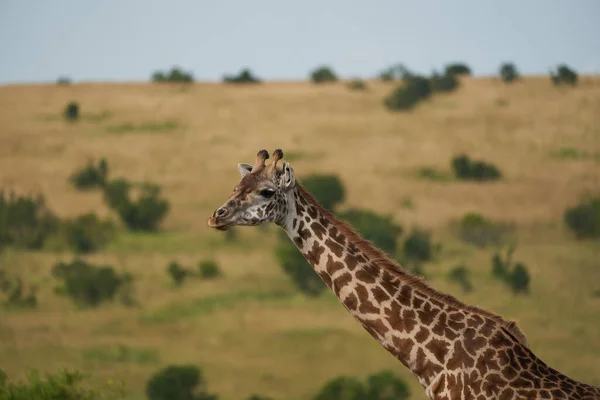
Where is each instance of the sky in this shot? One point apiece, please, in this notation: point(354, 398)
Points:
point(127, 40)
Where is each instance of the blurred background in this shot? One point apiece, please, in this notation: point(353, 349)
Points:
point(463, 138)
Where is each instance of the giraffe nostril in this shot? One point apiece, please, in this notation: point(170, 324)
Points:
point(221, 212)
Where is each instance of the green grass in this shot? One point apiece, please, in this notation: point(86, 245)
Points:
point(571, 153)
point(210, 304)
point(121, 354)
point(432, 174)
point(148, 127)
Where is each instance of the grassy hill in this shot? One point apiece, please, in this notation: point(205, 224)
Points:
point(251, 331)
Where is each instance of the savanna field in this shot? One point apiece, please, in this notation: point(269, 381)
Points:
point(251, 330)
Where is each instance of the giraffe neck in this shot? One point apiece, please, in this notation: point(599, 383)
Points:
point(451, 347)
point(407, 323)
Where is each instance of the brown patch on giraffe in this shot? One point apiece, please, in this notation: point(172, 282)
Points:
point(378, 257)
point(379, 294)
point(507, 394)
point(473, 342)
point(333, 266)
point(365, 305)
point(302, 232)
point(427, 314)
point(422, 335)
point(351, 262)
point(460, 357)
point(298, 242)
point(402, 349)
point(340, 282)
point(364, 275)
point(314, 255)
point(423, 366)
point(337, 236)
point(442, 328)
point(438, 348)
point(400, 319)
point(417, 302)
point(351, 301)
point(318, 229)
point(487, 361)
point(334, 247)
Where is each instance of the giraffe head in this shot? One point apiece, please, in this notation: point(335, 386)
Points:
point(261, 196)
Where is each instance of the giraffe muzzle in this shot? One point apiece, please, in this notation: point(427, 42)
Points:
point(216, 221)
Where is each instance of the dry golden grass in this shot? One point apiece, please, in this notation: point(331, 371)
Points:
point(287, 346)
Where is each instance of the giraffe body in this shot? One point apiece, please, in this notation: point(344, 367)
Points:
point(455, 351)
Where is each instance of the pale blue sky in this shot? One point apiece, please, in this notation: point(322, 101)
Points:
point(123, 40)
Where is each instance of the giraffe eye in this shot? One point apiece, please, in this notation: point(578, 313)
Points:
point(267, 193)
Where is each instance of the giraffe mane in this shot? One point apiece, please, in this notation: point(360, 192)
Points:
point(378, 257)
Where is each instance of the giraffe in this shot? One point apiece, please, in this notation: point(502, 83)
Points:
point(456, 351)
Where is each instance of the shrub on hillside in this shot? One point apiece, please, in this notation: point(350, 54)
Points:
point(178, 382)
point(357, 84)
point(142, 213)
point(25, 221)
point(64, 385)
point(63, 80)
point(460, 274)
point(14, 293)
point(208, 269)
point(508, 72)
point(323, 74)
point(584, 218)
point(259, 397)
point(245, 76)
point(466, 169)
point(564, 75)
point(88, 285)
point(174, 75)
point(407, 95)
point(482, 232)
point(457, 69)
point(385, 385)
point(71, 112)
point(87, 233)
point(327, 189)
point(178, 273)
point(514, 275)
point(395, 72)
point(417, 246)
point(90, 176)
point(299, 270)
point(444, 83)
point(379, 229)
point(342, 388)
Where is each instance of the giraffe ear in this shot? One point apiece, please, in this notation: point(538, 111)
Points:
point(288, 180)
point(244, 169)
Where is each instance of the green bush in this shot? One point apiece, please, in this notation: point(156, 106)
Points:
point(90, 176)
point(65, 385)
point(407, 95)
point(395, 72)
point(71, 112)
point(245, 76)
point(87, 233)
point(63, 81)
point(564, 75)
point(323, 74)
point(482, 232)
point(25, 222)
point(417, 246)
point(178, 273)
point(175, 75)
point(328, 190)
point(259, 397)
point(380, 230)
point(178, 382)
point(342, 388)
point(444, 83)
point(466, 169)
point(116, 192)
point(385, 385)
point(519, 279)
point(457, 69)
point(460, 275)
point(584, 218)
point(12, 289)
point(357, 84)
point(88, 285)
point(508, 72)
point(298, 269)
point(514, 275)
point(208, 269)
point(142, 214)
